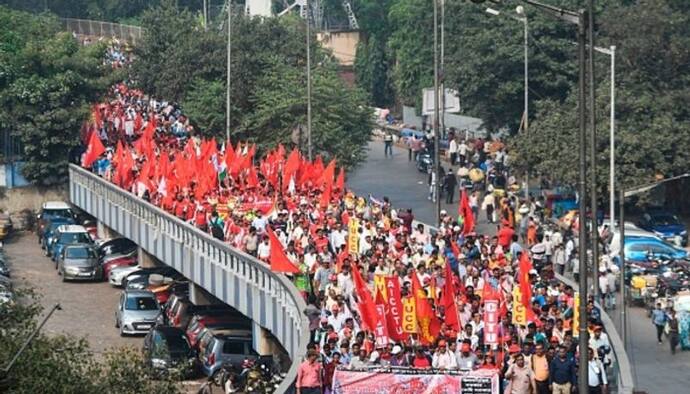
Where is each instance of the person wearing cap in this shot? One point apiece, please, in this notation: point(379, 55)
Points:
point(520, 377)
point(465, 359)
point(562, 372)
point(421, 360)
point(309, 375)
point(374, 358)
point(599, 341)
point(398, 357)
point(442, 358)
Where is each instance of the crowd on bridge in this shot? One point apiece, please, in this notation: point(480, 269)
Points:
point(381, 288)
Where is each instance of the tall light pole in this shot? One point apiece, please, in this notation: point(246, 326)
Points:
point(593, 149)
point(228, 110)
point(437, 165)
point(309, 141)
point(520, 10)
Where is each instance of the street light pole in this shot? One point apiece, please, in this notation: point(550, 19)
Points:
point(309, 141)
point(583, 339)
point(228, 111)
point(612, 142)
point(593, 150)
point(31, 337)
point(621, 203)
point(437, 165)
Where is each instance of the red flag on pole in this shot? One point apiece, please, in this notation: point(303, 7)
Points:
point(452, 319)
point(465, 211)
point(340, 182)
point(367, 308)
point(278, 259)
point(93, 150)
point(524, 267)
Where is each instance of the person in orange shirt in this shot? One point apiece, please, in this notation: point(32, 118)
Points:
point(531, 233)
point(309, 375)
point(540, 366)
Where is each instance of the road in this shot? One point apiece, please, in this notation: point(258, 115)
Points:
point(654, 368)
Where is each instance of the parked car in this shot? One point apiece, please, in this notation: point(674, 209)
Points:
point(49, 231)
point(79, 262)
point(116, 246)
point(170, 305)
point(50, 210)
point(225, 347)
point(665, 225)
point(643, 248)
point(137, 311)
point(118, 274)
point(140, 278)
point(215, 320)
point(125, 261)
point(4, 269)
point(6, 294)
point(67, 234)
point(5, 225)
point(167, 351)
point(183, 312)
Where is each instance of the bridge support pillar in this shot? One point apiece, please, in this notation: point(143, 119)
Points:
point(199, 296)
point(265, 344)
point(105, 232)
point(146, 259)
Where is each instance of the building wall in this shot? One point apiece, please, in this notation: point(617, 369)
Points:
point(473, 126)
point(343, 44)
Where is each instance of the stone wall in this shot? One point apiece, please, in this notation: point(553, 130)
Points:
point(22, 203)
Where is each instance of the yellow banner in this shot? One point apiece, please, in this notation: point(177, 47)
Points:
point(353, 236)
point(380, 285)
point(519, 311)
point(576, 315)
point(409, 323)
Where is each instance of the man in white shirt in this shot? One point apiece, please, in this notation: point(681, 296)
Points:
point(338, 237)
point(442, 358)
point(462, 152)
point(453, 151)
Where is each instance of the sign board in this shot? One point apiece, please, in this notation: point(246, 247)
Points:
point(411, 380)
point(452, 103)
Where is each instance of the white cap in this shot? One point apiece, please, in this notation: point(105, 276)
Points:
point(444, 212)
point(396, 349)
point(533, 272)
point(374, 356)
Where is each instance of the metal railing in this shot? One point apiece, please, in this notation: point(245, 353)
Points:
point(234, 277)
point(86, 27)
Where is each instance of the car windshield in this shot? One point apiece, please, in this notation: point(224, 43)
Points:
point(74, 238)
point(665, 220)
point(80, 253)
point(177, 343)
point(141, 304)
point(56, 213)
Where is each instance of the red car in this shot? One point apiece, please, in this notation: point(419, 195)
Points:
point(200, 322)
point(119, 262)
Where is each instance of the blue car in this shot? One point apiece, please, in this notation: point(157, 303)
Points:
point(665, 225)
point(49, 231)
point(67, 234)
point(641, 249)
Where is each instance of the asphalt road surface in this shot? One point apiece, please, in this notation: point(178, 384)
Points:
point(654, 368)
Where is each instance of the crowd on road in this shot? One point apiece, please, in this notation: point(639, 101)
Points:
point(350, 256)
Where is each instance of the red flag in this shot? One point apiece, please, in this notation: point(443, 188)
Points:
point(326, 196)
point(291, 167)
point(465, 211)
point(93, 150)
point(278, 259)
point(425, 313)
point(394, 315)
point(327, 175)
point(452, 319)
point(366, 305)
point(252, 179)
point(524, 267)
point(340, 182)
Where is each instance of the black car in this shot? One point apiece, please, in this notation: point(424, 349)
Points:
point(116, 246)
point(140, 278)
point(167, 351)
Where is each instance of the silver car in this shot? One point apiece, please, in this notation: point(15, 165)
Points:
point(136, 312)
point(79, 262)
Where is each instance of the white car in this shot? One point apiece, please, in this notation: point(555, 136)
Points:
point(118, 274)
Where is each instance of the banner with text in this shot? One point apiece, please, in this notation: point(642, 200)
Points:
point(415, 381)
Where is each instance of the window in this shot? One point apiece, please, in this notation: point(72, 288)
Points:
point(56, 213)
point(665, 220)
point(80, 253)
point(234, 347)
point(141, 304)
point(74, 238)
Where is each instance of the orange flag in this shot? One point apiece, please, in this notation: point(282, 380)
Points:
point(93, 150)
point(425, 313)
point(340, 182)
point(465, 211)
point(278, 259)
point(367, 308)
point(452, 318)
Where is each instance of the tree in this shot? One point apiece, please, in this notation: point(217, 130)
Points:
point(64, 364)
point(46, 90)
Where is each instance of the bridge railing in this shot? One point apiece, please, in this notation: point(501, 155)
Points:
point(93, 28)
point(232, 276)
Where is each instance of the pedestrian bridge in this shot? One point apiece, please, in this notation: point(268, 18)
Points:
point(270, 300)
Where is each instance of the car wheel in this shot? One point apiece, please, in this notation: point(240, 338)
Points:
point(63, 278)
point(117, 323)
point(122, 332)
point(218, 378)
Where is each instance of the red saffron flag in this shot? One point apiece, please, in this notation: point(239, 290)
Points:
point(327, 175)
point(524, 267)
point(465, 211)
point(340, 182)
point(367, 308)
point(326, 196)
point(452, 319)
point(278, 259)
point(394, 315)
point(93, 150)
point(425, 313)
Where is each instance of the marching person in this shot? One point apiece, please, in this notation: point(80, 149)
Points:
point(309, 375)
point(520, 378)
point(598, 382)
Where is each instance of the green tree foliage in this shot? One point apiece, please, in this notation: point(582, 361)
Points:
point(178, 60)
point(652, 128)
point(64, 364)
point(47, 85)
